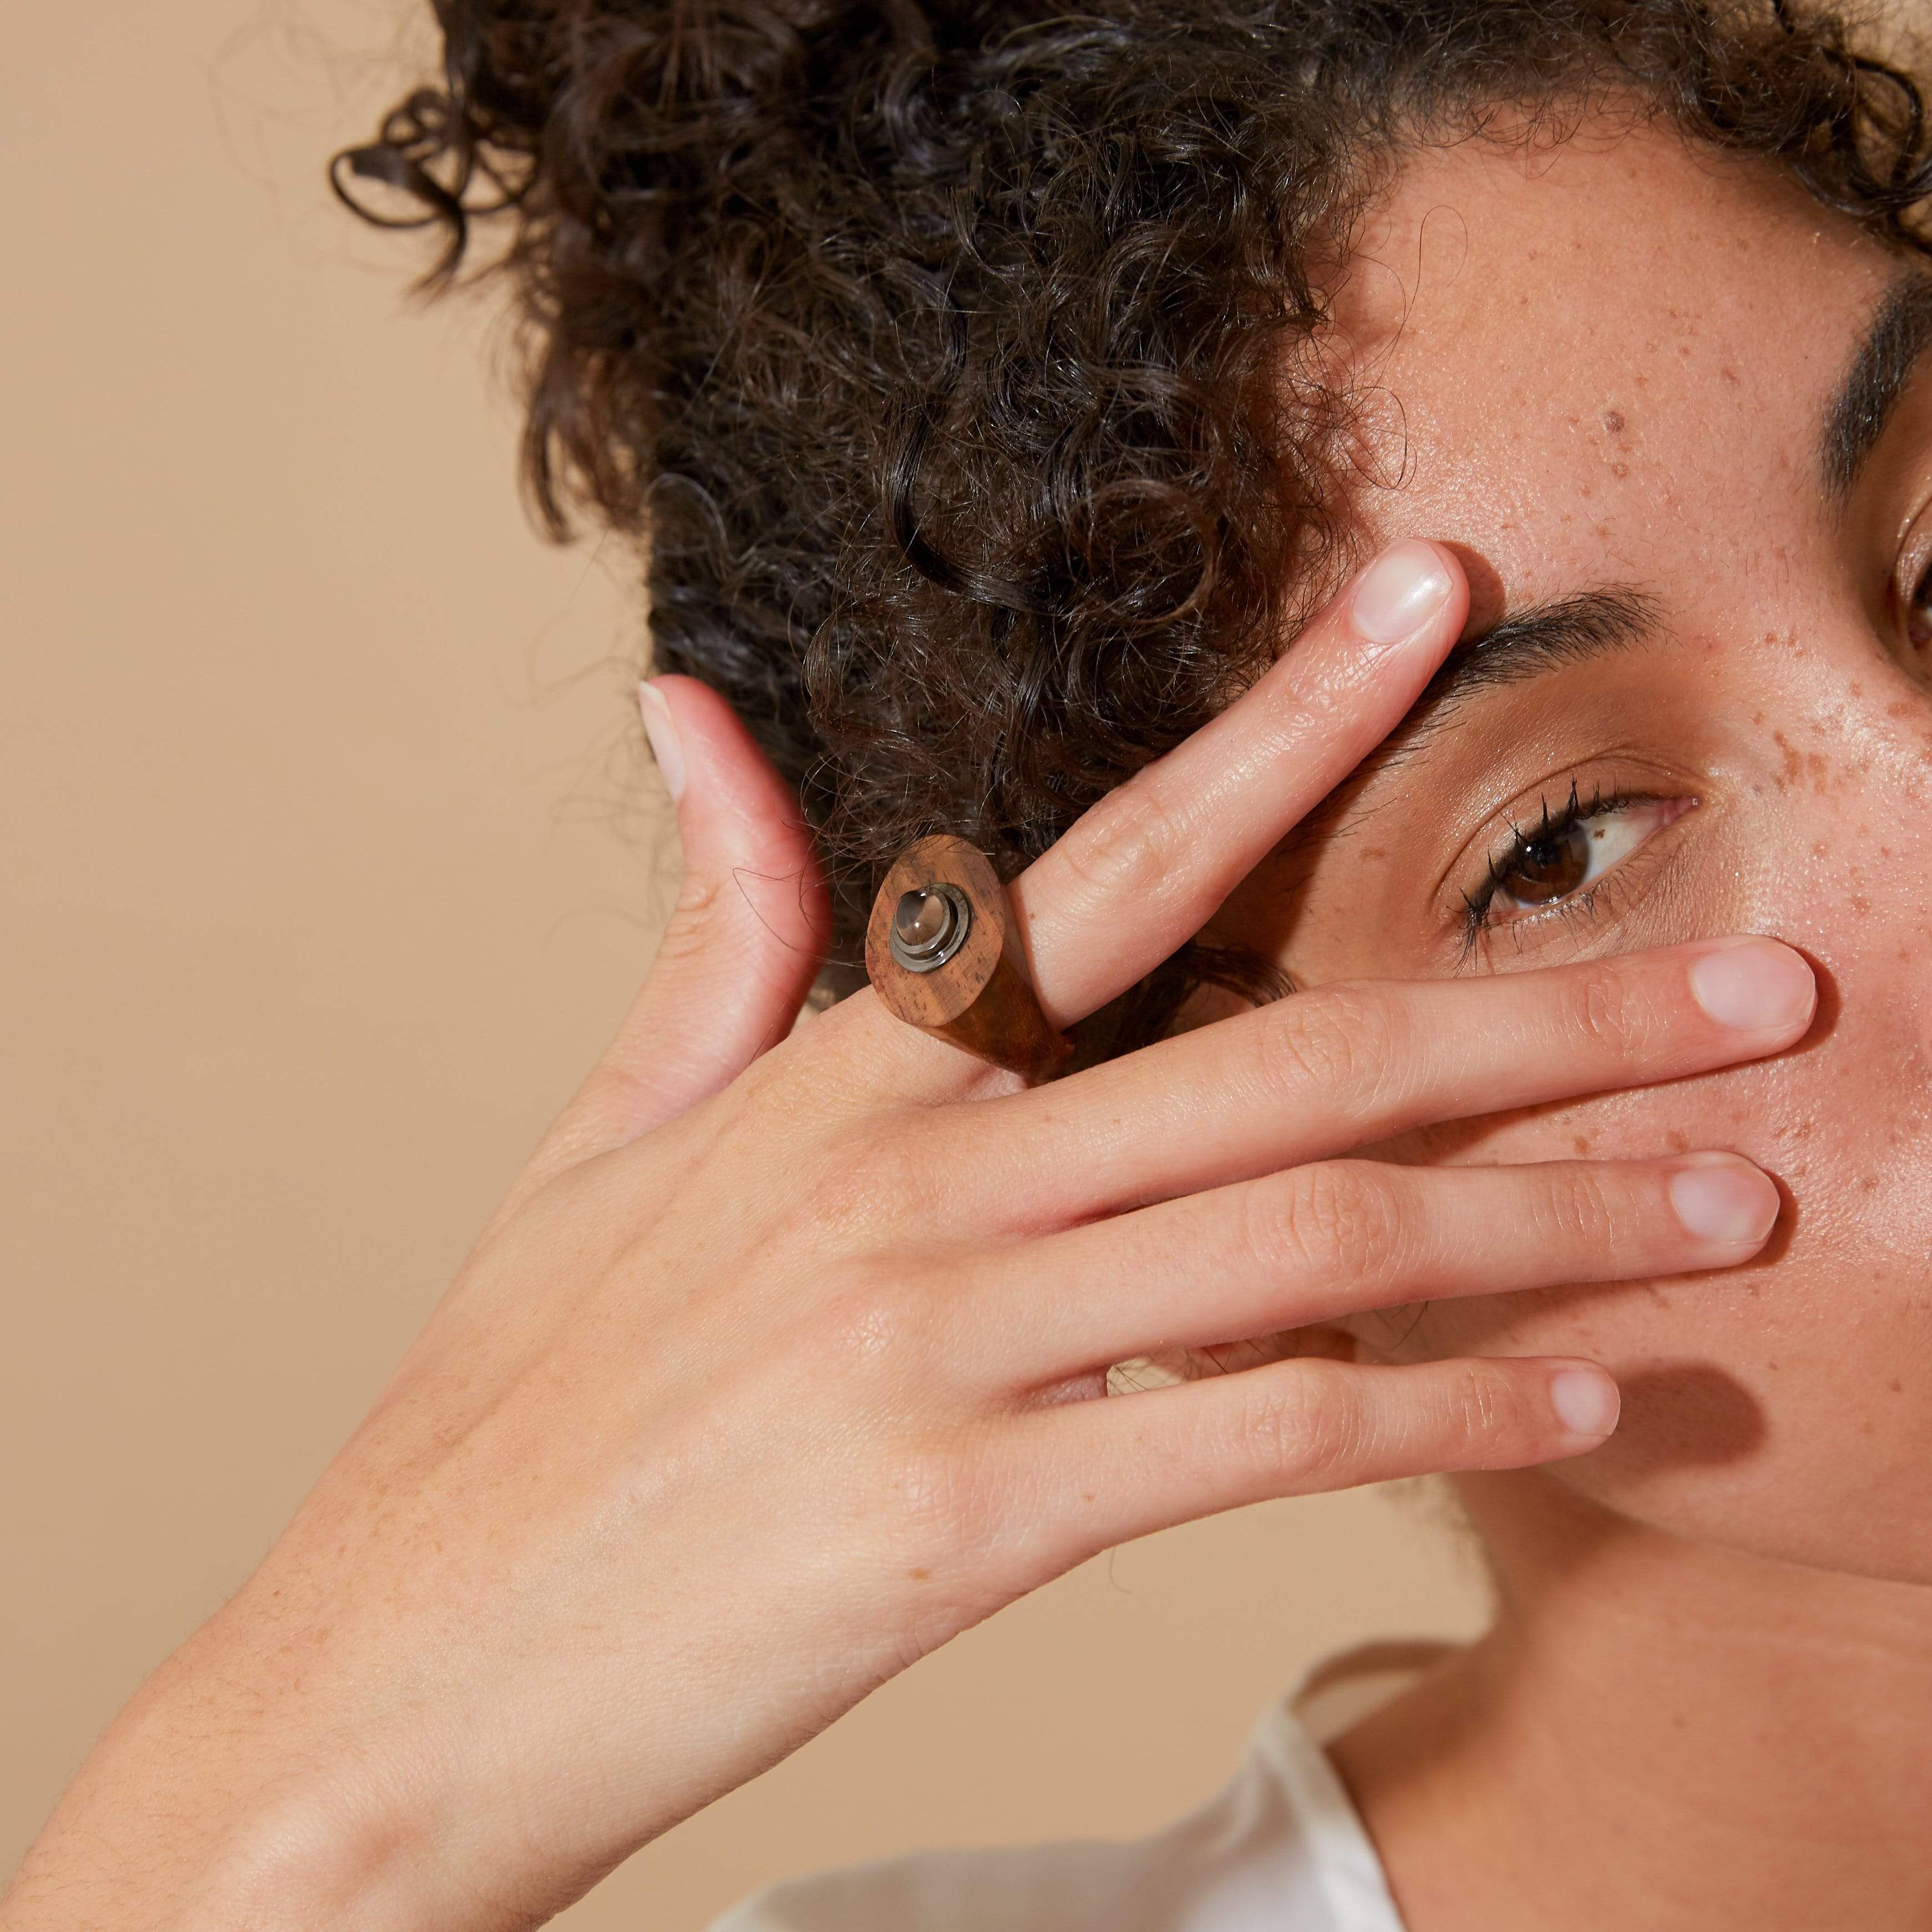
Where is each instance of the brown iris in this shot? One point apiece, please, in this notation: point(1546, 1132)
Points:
point(1549, 866)
point(1918, 614)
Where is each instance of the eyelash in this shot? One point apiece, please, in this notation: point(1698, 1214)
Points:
point(1501, 867)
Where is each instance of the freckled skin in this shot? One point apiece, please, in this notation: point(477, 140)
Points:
point(1585, 403)
point(1774, 689)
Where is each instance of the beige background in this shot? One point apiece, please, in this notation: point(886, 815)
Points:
point(331, 853)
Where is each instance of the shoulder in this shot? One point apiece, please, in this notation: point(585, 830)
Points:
point(1280, 1850)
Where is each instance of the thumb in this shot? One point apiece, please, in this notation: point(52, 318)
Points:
point(745, 940)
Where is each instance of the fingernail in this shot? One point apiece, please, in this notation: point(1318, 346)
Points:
point(662, 732)
point(1399, 592)
point(1758, 987)
point(1586, 1400)
point(1725, 1200)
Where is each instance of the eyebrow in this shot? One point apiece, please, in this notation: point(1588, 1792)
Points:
point(1567, 631)
point(1539, 638)
point(1874, 384)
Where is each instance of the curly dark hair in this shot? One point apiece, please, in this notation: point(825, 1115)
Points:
point(948, 356)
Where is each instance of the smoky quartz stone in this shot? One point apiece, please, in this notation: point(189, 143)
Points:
point(929, 925)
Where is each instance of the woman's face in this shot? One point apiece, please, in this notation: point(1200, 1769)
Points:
point(1664, 406)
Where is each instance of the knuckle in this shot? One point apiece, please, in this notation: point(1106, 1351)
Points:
point(877, 1176)
point(1335, 1218)
point(1127, 851)
point(1601, 1007)
point(692, 928)
point(1344, 1040)
point(1580, 1207)
point(1482, 1407)
point(942, 1499)
point(1303, 1429)
point(877, 1315)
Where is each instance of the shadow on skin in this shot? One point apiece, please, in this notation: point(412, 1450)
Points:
point(1684, 1415)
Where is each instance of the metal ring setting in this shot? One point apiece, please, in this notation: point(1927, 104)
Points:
point(929, 926)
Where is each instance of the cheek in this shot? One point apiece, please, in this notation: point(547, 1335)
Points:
point(1784, 1407)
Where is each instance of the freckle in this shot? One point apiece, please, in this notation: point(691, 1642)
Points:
point(1860, 904)
point(1375, 852)
point(1899, 710)
point(1679, 1143)
point(919, 1576)
point(1581, 1143)
point(1897, 1387)
point(1870, 1183)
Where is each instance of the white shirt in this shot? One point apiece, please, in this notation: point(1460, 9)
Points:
point(1281, 1850)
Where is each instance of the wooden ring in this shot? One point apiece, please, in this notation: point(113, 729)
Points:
point(942, 954)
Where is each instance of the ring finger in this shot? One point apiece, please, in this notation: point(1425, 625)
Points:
point(1337, 1238)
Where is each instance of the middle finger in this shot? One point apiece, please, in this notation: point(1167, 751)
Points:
point(1322, 1072)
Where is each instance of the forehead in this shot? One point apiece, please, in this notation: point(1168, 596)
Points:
point(1610, 359)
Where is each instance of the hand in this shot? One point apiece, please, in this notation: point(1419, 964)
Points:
point(779, 1367)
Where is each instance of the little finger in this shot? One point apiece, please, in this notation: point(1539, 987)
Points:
point(1126, 1465)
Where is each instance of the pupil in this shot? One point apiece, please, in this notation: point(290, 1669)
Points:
point(1552, 866)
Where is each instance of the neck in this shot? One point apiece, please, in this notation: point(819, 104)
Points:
point(1659, 1732)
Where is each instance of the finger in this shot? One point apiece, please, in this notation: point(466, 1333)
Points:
point(1325, 1071)
point(1338, 1238)
point(744, 940)
point(1125, 1466)
point(1142, 871)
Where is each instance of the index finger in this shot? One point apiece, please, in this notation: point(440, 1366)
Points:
point(1139, 873)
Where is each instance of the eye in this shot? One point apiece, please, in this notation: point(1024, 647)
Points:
point(1564, 855)
point(1919, 612)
